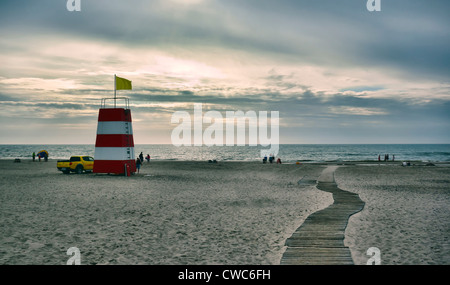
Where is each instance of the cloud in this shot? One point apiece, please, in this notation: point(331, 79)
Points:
point(362, 88)
point(347, 110)
point(326, 65)
point(39, 83)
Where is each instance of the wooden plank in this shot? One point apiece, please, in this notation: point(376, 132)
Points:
point(317, 256)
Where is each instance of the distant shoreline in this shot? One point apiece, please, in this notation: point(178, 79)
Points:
point(287, 153)
point(348, 162)
point(169, 144)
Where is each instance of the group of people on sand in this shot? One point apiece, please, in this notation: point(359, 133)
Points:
point(386, 157)
point(271, 159)
point(40, 155)
point(140, 160)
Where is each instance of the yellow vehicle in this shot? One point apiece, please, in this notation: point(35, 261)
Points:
point(76, 164)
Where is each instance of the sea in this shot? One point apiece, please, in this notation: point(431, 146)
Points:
point(288, 153)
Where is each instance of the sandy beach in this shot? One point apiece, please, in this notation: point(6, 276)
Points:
point(406, 215)
point(228, 213)
point(170, 213)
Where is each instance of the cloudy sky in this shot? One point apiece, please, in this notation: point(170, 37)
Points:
point(336, 72)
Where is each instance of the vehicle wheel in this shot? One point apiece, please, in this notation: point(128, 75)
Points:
point(79, 169)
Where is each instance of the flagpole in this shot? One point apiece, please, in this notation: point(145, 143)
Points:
point(115, 91)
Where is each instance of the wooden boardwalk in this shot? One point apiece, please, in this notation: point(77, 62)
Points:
point(320, 239)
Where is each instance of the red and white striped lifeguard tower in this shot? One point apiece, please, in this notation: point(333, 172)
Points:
point(114, 146)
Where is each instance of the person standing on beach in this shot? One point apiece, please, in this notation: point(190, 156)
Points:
point(138, 164)
point(34, 156)
point(141, 157)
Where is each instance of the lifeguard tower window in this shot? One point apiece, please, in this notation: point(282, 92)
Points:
point(75, 159)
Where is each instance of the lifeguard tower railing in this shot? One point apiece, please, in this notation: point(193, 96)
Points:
point(125, 99)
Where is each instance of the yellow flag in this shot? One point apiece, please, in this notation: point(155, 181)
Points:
point(123, 84)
